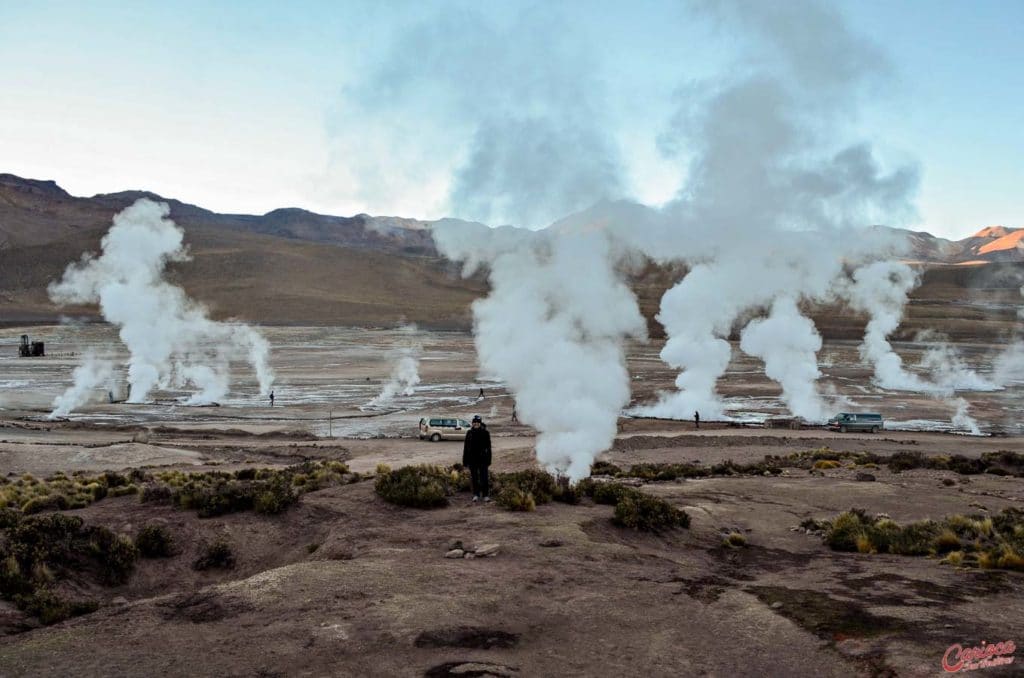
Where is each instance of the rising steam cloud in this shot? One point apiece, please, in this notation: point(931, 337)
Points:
point(405, 374)
point(170, 339)
point(772, 208)
point(552, 329)
point(771, 215)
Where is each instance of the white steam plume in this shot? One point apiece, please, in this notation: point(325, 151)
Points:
point(961, 419)
point(881, 290)
point(789, 343)
point(771, 204)
point(552, 329)
point(405, 374)
point(93, 372)
point(169, 337)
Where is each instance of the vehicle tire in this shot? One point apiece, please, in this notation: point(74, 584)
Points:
point(435, 438)
point(842, 429)
point(874, 429)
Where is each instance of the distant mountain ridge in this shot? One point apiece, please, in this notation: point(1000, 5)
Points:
point(293, 266)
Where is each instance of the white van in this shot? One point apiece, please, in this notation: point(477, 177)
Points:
point(443, 428)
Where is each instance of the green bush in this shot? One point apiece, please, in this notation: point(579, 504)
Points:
point(535, 482)
point(51, 608)
point(611, 493)
point(217, 554)
point(52, 502)
point(422, 486)
point(274, 496)
point(604, 468)
point(37, 552)
point(116, 555)
point(155, 541)
point(9, 518)
point(643, 512)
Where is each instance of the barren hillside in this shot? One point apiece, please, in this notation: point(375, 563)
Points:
point(291, 266)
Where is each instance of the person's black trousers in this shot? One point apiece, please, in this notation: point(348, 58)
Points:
point(478, 478)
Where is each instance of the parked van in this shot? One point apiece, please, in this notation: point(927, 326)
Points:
point(443, 428)
point(845, 421)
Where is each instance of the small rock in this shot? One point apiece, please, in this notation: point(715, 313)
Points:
point(119, 600)
point(864, 477)
point(487, 550)
point(455, 553)
point(469, 554)
point(552, 542)
point(457, 544)
point(777, 605)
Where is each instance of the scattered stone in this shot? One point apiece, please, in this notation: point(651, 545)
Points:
point(464, 669)
point(551, 542)
point(469, 554)
point(948, 482)
point(864, 477)
point(119, 600)
point(487, 550)
point(455, 553)
point(457, 544)
point(777, 605)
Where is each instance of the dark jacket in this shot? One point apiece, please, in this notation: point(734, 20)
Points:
point(476, 451)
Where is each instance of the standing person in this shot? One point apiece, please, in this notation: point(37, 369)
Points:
point(476, 455)
point(271, 398)
point(481, 393)
point(696, 419)
point(515, 416)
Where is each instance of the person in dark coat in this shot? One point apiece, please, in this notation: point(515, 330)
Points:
point(476, 456)
point(696, 419)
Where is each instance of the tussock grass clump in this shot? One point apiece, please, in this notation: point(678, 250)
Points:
point(50, 607)
point(515, 499)
point(155, 541)
point(525, 490)
point(540, 484)
point(38, 552)
point(604, 468)
point(967, 541)
point(826, 464)
point(667, 471)
point(643, 512)
point(216, 555)
point(734, 540)
point(210, 493)
point(423, 486)
point(611, 493)
point(568, 492)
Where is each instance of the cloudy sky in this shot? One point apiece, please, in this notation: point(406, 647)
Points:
point(510, 112)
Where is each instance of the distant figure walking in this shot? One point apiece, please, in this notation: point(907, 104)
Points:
point(271, 398)
point(476, 455)
point(696, 419)
point(515, 416)
point(481, 393)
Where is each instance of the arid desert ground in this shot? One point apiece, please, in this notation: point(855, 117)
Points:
point(344, 584)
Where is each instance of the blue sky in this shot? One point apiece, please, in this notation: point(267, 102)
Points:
point(375, 107)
